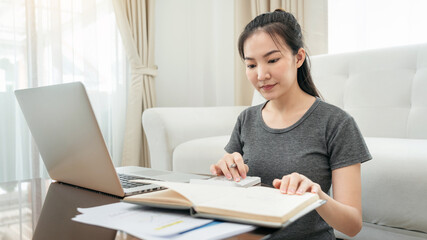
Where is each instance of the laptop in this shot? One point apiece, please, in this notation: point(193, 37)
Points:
point(64, 127)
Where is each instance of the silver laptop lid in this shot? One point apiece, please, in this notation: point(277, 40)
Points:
point(64, 127)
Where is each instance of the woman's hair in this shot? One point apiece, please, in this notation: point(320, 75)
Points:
point(281, 25)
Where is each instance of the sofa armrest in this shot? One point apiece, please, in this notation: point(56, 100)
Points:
point(166, 128)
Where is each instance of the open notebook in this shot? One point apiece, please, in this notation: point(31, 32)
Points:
point(257, 205)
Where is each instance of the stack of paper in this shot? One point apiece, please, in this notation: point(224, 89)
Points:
point(149, 223)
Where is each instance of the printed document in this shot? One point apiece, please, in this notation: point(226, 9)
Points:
point(149, 223)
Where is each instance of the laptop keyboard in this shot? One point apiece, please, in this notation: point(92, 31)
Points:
point(124, 180)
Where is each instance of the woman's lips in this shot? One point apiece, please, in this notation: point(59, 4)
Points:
point(268, 87)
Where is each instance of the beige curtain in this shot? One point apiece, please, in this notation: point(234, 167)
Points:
point(311, 15)
point(135, 19)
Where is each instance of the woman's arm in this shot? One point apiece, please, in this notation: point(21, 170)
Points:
point(344, 211)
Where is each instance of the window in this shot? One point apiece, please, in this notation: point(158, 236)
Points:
point(365, 24)
point(46, 42)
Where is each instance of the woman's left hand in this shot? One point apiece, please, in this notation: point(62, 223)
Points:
point(296, 183)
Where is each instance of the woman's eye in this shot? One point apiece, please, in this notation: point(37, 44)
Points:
point(250, 66)
point(273, 60)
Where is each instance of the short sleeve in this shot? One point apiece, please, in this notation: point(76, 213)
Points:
point(235, 143)
point(346, 145)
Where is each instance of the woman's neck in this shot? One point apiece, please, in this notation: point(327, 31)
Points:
point(293, 101)
point(284, 112)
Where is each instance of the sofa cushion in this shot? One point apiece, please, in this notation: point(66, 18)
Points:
point(376, 232)
point(394, 183)
point(196, 156)
point(383, 89)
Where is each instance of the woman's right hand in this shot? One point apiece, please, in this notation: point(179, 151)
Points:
point(225, 167)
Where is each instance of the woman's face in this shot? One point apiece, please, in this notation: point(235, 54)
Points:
point(272, 69)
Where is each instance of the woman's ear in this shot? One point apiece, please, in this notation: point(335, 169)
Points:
point(300, 57)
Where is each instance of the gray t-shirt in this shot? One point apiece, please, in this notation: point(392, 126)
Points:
point(324, 139)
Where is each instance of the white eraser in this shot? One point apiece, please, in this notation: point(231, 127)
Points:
point(222, 180)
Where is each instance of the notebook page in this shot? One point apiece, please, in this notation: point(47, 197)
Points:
point(261, 201)
point(195, 193)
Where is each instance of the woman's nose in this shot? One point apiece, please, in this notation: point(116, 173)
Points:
point(263, 73)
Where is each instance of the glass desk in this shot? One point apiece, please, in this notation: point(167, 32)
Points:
point(42, 209)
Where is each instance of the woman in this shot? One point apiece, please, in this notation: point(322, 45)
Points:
point(295, 141)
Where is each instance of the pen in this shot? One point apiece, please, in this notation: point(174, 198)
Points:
point(245, 161)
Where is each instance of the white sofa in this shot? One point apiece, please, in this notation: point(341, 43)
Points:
point(385, 90)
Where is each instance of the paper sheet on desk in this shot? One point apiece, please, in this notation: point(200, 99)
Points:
point(147, 223)
point(123, 216)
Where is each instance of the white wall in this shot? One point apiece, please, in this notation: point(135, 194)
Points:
point(194, 53)
point(316, 26)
